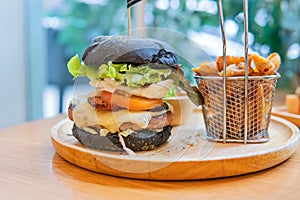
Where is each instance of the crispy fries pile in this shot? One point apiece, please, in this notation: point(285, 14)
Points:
point(260, 94)
point(235, 66)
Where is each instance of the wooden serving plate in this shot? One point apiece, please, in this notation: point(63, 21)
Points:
point(281, 111)
point(186, 156)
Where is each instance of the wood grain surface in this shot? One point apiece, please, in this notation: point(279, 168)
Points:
point(178, 160)
point(281, 111)
point(31, 169)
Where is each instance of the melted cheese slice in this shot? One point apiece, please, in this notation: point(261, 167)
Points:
point(85, 115)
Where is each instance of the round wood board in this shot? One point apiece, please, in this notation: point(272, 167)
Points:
point(281, 111)
point(186, 156)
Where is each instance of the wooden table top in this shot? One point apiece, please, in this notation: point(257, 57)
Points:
point(30, 169)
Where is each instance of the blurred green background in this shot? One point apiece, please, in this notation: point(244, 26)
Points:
point(273, 25)
point(40, 36)
point(190, 26)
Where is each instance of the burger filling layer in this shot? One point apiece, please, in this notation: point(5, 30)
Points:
point(126, 98)
point(123, 121)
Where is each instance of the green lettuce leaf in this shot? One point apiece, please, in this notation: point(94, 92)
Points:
point(74, 65)
point(124, 73)
point(172, 91)
point(192, 91)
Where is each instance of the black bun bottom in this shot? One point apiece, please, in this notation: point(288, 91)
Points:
point(96, 141)
point(143, 140)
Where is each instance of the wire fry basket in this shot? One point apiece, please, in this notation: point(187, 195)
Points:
point(260, 97)
point(237, 109)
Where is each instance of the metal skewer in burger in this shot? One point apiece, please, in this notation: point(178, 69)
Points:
point(131, 76)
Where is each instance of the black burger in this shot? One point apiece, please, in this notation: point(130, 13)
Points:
point(126, 110)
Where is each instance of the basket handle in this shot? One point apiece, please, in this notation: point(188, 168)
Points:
point(221, 18)
point(220, 8)
point(246, 67)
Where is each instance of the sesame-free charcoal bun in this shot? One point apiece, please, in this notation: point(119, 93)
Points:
point(143, 140)
point(95, 141)
point(133, 50)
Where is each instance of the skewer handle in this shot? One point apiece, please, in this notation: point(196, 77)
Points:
point(129, 4)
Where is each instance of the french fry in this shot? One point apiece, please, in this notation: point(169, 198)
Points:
point(275, 59)
point(229, 61)
point(236, 70)
point(206, 69)
point(264, 66)
point(235, 66)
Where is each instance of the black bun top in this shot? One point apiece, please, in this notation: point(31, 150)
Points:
point(124, 49)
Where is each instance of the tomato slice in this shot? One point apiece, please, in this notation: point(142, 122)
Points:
point(132, 102)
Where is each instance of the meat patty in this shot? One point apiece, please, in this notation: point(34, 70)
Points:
point(156, 122)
